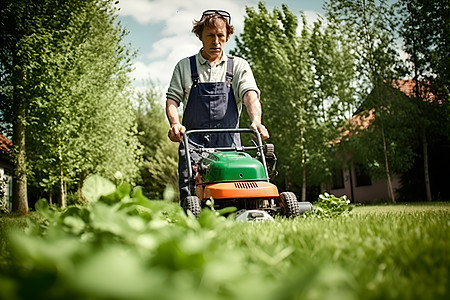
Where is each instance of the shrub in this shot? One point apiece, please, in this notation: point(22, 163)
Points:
point(329, 206)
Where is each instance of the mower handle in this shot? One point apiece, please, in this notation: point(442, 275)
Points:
point(227, 130)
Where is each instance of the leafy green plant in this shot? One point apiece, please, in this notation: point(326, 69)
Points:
point(120, 245)
point(329, 206)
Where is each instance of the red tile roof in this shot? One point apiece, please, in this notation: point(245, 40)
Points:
point(5, 144)
point(360, 122)
point(408, 86)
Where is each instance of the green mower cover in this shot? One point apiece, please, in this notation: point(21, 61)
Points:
point(231, 166)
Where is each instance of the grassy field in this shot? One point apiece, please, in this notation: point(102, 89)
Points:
point(152, 251)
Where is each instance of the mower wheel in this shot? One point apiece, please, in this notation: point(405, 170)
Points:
point(289, 204)
point(192, 203)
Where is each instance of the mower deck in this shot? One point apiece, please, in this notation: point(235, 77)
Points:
point(240, 189)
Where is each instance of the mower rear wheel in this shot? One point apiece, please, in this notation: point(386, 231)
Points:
point(192, 203)
point(289, 203)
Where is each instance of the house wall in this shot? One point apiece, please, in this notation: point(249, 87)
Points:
point(6, 171)
point(377, 191)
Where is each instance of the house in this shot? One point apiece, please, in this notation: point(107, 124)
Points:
point(356, 183)
point(6, 172)
point(353, 180)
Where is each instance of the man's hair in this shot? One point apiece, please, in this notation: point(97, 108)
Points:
point(211, 21)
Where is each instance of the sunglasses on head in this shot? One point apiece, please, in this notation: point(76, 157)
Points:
point(221, 13)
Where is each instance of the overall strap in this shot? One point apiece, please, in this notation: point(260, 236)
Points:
point(194, 72)
point(229, 74)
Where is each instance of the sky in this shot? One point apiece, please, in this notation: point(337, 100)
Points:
point(160, 30)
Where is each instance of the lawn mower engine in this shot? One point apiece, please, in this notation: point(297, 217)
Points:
point(233, 177)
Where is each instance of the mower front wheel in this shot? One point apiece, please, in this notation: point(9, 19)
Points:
point(289, 204)
point(192, 203)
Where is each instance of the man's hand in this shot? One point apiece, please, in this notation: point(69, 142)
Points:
point(261, 129)
point(176, 132)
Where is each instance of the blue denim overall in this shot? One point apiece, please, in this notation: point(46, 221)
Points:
point(210, 105)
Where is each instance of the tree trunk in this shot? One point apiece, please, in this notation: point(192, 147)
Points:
point(303, 197)
point(303, 184)
point(20, 199)
point(350, 174)
point(425, 165)
point(388, 173)
point(83, 176)
point(62, 190)
point(417, 89)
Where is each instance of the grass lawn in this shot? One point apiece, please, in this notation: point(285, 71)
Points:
point(378, 252)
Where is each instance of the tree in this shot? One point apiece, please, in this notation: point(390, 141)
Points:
point(160, 158)
point(334, 91)
point(298, 77)
point(72, 93)
point(18, 25)
point(425, 31)
point(370, 25)
point(389, 129)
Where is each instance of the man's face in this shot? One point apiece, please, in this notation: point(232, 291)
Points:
point(214, 39)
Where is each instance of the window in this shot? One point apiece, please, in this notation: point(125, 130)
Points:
point(362, 176)
point(338, 179)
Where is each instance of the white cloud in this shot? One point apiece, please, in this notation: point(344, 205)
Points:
point(311, 16)
point(176, 41)
point(140, 71)
point(145, 11)
point(174, 11)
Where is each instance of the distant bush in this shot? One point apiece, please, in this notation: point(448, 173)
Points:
point(329, 206)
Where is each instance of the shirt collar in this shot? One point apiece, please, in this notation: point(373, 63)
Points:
point(203, 60)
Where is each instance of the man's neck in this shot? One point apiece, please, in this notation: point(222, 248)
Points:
point(213, 60)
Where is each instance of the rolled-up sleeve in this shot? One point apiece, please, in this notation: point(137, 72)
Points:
point(176, 90)
point(245, 80)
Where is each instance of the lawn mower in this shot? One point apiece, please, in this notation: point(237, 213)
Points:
point(231, 176)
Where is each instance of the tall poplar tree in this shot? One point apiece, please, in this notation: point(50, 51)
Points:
point(18, 23)
point(76, 111)
point(298, 77)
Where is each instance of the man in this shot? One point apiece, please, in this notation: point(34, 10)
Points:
point(212, 87)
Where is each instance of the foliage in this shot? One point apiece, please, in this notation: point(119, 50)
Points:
point(329, 206)
point(371, 27)
point(123, 246)
point(394, 115)
point(413, 188)
point(426, 32)
point(73, 90)
point(305, 83)
point(160, 156)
